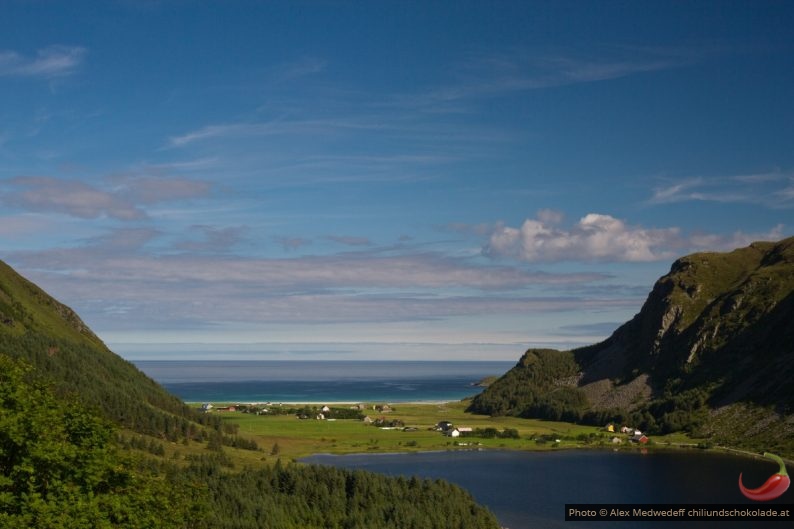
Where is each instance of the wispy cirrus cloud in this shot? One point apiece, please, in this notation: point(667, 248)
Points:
point(290, 244)
point(120, 199)
point(300, 68)
point(212, 239)
point(184, 165)
point(123, 240)
point(281, 126)
point(151, 190)
point(495, 75)
point(220, 131)
point(298, 152)
point(201, 289)
point(772, 189)
point(49, 62)
point(71, 197)
point(603, 238)
point(352, 269)
point(350, 240)
point(19, 226)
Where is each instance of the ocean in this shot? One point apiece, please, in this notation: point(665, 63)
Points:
point(320, 381)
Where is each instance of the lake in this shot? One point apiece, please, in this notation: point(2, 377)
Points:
point(528, 490)
point(320, 381)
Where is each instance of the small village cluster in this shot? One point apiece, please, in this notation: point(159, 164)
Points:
point(325, 413)
point(380, 420)
point(632, 434)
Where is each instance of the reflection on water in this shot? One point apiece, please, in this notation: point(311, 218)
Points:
point(528, 490)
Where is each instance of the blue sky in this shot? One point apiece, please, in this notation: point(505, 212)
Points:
point(418, 180)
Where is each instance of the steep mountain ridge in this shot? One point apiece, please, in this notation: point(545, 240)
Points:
point(52, 337)
point(716, 331)
point(712, 311)
point(18, 298)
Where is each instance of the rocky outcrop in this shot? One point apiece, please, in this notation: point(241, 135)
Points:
point(710, 314)
point(716, 331)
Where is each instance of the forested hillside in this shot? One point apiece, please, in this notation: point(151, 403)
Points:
point(536, 387)
point(710, 352)
point(63, 464)
point(50, 336)
point(60, 469)
point(315, 497)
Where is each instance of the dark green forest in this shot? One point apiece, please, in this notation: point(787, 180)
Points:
point(534, 388)
point(61, 466)
point(298, 496)
point(82, 445)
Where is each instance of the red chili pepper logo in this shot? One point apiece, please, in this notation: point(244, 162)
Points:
point(776, 485)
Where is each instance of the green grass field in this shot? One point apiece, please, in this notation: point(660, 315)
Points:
point(297, 438)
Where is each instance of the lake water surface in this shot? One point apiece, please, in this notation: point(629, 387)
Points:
point(528, 490)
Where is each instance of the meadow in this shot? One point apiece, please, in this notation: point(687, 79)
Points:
point(287, 437)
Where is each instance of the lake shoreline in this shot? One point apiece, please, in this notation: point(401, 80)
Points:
point(658, 449)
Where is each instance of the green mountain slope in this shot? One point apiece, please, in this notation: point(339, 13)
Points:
point(62, 465)
point(711, 348)
point(61, 469)
point(51, 337)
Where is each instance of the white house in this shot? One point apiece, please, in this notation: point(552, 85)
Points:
point(454, 432)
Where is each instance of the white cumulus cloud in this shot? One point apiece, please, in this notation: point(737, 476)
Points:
point(604, 238)
point(595, 237)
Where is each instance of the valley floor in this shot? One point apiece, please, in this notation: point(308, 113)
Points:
point(287, 437)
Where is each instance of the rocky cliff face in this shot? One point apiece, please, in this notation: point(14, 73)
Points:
point(714, 339)
point(723, 319)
